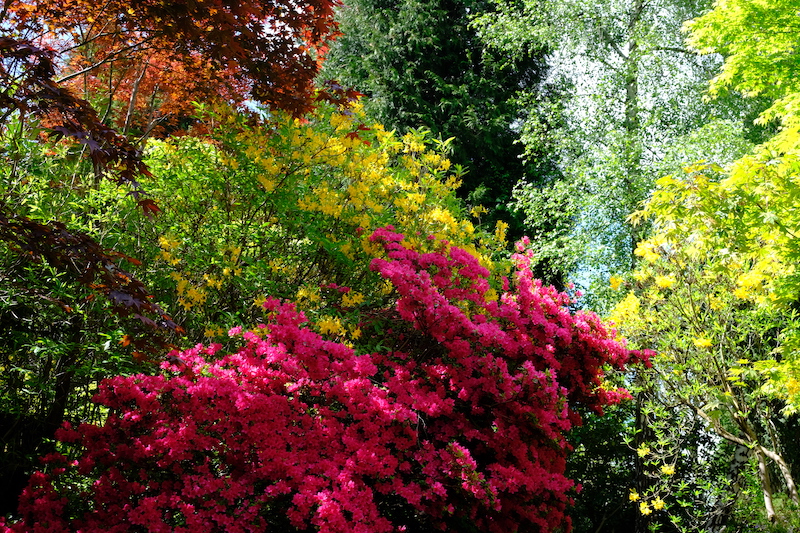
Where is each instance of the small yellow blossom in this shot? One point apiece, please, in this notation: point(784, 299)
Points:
point(615, 282)
point(268, 184)
point(643, 451)
point(750, 279)
point(703, 342)
point(667, 470)
point(633, 496)
point(645, 250)
point(665, 282)
point(168, 243)
point(644, 508)
point(212, 281)
point(792, 387)
point(626, 310)
point(352, 299)
point(742, 293)
point(500, 231)
point(311, 294)
point(181, 287)
point(477, 211)
point(658, 504)
point(330, 325)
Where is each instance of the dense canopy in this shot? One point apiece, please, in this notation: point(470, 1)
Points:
point(274, 266)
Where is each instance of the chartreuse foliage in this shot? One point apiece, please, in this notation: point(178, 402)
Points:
point(742, 225)
point(713, 296)
point(757, 217)
point(461, 427)
point(286, 209)
point(758, 39)
point(716, 289)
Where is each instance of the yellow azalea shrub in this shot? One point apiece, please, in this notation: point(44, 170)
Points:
point(712, 295)
point(287, 209)
point(737, 232)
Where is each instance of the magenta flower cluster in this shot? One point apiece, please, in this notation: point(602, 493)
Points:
point(461, 426)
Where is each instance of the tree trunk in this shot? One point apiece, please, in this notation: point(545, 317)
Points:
point(766, 485)
point(133, 98)
point(791, 487)
point(632, 154)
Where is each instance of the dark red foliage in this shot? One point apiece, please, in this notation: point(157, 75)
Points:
point(268, 51)
point(27, 87)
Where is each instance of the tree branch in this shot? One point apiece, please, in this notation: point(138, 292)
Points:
point(673, 49)
point(110, 57)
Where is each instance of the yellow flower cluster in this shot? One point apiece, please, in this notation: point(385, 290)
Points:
point(628, 310)
point(352, 299)
point(368, 178)
point(189, 295)
point(644, 506)
point(702, 342)
point(308, 293)
point(331, 326)
point(302, 197)
point(212, 331)
point(168, 246)
point(665, 282)
point(651, 250)
point(192, 295)
point(501, 229)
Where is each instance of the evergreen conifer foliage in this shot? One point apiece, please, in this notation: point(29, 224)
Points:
point(423, 66)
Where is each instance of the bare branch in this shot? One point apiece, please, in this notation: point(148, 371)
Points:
point(111, 57)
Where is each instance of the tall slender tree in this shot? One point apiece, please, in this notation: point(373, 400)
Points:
point(634, 88)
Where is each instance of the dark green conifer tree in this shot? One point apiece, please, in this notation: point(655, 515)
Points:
point(423, 66)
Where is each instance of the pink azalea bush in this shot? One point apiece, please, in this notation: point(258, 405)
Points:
point(460, 427)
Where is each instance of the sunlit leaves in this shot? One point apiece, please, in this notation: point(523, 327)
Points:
point(758, 41)
point(286, 208)
point(712, 295)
